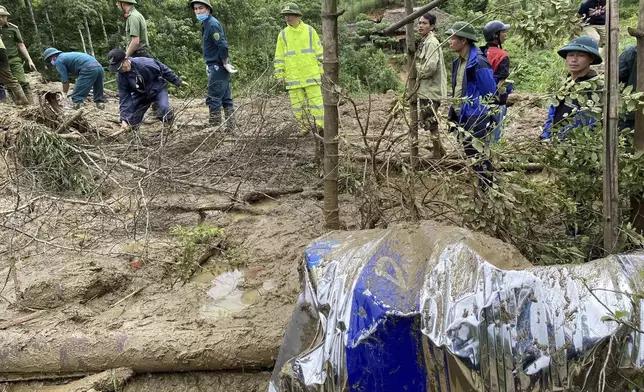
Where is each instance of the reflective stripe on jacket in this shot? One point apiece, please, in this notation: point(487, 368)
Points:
point(298, 56)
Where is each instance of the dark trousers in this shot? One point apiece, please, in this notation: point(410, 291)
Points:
point(480, 128)
point(219, 90)
point(89, 78)
point(163, 108)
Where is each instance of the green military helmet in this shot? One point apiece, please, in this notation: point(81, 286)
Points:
point(204, 2)
point(50, 52)
point(463, 30)
point(291, 9)
point(582, 44)
point(127, 1)
point(3, 11)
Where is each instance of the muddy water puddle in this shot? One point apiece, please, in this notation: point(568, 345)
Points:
point(226, 295)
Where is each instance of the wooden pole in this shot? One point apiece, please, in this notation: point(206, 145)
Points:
point(611, 117)
point(413, 15)
point(411, 85)
point(637, 202)
point(330, 82)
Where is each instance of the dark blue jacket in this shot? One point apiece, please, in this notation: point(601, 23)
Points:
point(478, 82)
point(215, 46)
point(561, 117)
point(146, 79)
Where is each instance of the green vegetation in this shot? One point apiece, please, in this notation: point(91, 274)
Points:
point(193, 240)
point(53, 161)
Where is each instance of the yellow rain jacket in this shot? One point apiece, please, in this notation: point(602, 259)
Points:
point(298, 56)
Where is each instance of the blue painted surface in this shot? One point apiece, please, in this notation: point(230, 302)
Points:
point(317, 250)
point(390, 357)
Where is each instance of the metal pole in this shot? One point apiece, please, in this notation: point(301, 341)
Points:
point(611, 116)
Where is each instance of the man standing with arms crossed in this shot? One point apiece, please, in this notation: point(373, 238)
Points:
point(298, 66)
point(15, 47)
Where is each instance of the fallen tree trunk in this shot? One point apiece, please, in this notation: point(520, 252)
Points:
point(159, 349)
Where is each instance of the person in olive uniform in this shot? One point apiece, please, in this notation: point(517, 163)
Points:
point(136, 30)
point(7, 78)
point(16, 49)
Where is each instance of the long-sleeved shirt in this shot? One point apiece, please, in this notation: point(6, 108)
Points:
point(215, 46)
point(71, 63)
point(430, 65)
point(144, 81)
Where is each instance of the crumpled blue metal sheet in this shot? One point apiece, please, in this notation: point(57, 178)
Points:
point(436, 308)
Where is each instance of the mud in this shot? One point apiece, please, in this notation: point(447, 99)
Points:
point(88, 282)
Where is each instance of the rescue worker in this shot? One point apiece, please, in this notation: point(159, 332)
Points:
point(579, 54)
point(628, 76)
point(215, 54)
point(432, 79)
point(136, 30)
point(495, 34)
point(142, 81)
point(86, 69)
point(298, 67)
point(8, 80)
point(473, 82)
point(593, 13)
point(15, 49)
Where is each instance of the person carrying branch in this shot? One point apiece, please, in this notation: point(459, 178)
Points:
point(215, 54)
point(8, 80)
point(298, 67)
point(432, 80)
point(474, 86)
point(88, 71)
point(16, 48)
point(142, 81)
point(567, 115)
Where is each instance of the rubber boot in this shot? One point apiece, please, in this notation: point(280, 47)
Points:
point(215, 118)
point(3, 93)
point(229, 115)
point(30, 97)
point(18, 96)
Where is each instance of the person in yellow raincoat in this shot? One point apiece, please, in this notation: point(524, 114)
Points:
point(298, 66)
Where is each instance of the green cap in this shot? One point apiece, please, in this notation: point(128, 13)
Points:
point(3, 11)
point(128, 1)
point(204, 2)
point(582, 44)
point(291, 9)
point(463, 30)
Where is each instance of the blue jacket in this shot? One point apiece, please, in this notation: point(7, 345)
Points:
point(146, 79)
point(72, 63)
point(215, 46)
point(559, 116)
point(478, 82)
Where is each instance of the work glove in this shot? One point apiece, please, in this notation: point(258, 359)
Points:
point(230, 68)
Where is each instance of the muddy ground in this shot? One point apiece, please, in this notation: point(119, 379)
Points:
point(91, 282)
